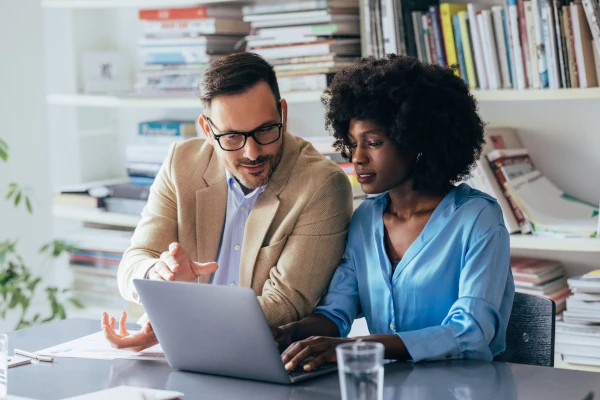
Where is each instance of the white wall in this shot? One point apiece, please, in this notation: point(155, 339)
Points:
point(23, 126)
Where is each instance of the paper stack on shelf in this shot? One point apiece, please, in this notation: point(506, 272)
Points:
point(94, 263)
point(539, 277)
point(179, 43)
point(307, 42)
point(546, 209)
point(578, 333)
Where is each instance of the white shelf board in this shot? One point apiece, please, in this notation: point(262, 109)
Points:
point(87, 100)
point(127, 3)
point(536, 94)
point(530, 242)
point(98, 217)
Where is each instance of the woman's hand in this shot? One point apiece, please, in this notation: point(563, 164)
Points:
point(124, 340)
point(320, 347)
point(282, 338)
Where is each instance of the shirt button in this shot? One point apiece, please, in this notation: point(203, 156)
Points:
point(237, 247)
point(392, 326)
point(243, 208)
point(233, 284)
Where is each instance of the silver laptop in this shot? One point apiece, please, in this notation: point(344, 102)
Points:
point(218, 330)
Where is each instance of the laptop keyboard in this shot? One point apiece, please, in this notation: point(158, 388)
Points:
point(299, 370)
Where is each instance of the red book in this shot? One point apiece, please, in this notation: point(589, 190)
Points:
point(190, 13)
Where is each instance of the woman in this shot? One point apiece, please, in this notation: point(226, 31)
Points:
point(426, 262)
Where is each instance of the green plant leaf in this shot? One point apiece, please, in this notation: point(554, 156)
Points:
point(3, 150)
point(44, 247)
point(10, 193)
point(28, 205)
point(76, 302)
point(18, 198)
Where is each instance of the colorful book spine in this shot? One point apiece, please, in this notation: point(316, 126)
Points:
point(523, 34)
point(167, 128)
point(440, 55)
point(467, 49)
point(447, 11)
point(459, 49)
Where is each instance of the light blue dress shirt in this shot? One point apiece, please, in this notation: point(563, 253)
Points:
point(230, 249)
point(451, 294)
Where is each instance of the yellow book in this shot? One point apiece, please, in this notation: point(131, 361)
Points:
point(447, 10)
point(466, 42)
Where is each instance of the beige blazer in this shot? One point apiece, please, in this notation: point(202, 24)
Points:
point(294, 238)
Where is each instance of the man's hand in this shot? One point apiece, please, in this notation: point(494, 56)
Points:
point(282, 338)
point(124, 340)
point(320, 347)
point(176, 265)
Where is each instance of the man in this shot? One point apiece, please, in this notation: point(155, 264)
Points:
point(269, 208)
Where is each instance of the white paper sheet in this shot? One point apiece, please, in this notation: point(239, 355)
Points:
point(129, 393)
point(96, 346)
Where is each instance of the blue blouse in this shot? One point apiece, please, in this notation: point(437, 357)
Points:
point(451, 294)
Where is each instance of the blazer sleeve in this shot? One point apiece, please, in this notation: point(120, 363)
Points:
point(155, 231)
point(311, 254)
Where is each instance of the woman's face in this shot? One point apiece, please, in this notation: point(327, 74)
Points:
point(380, 165)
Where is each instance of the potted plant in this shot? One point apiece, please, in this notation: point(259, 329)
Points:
point(18, 284)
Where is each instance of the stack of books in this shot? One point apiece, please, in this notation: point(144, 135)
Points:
point(307, 42)
point(94, 264)
point(530, 202)
point(516, 44)
point(544, 278)
point(179, 43)
point(578, 332)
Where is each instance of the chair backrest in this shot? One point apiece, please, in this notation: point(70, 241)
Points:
point(530, 333)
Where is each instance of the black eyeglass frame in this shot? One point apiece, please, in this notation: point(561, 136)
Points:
point(246, 134)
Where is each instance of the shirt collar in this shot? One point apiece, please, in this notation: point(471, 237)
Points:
point(234, 186)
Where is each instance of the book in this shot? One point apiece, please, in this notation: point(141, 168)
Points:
point(460, 49)
point(438, 40)
point(78, 200)
point(194, 27)
point(477, 40)
point(200, 12)
point(532, 47)
point(551, 209)
point(447, 11)
point(463, 20)
point(507, 165)
point(502, 46)
point(184, 129)
point(584, 52)
point(496, 138)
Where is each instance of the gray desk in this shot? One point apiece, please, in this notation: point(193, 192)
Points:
point(438, 380)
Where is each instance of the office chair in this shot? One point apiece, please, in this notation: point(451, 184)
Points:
point(530, 332)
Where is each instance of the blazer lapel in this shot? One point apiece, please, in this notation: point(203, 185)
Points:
point(262, 214)
point(211, 206)
point(257, 225)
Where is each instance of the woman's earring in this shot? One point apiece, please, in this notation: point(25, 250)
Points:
point(419, 156)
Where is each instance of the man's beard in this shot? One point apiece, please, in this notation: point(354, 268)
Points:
point(272, 160)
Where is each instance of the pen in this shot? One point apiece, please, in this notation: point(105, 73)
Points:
point(32, 355)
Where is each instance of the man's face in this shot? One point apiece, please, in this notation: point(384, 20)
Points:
point(253, 164)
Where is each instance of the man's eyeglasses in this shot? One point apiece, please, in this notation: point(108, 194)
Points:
point(263, 135)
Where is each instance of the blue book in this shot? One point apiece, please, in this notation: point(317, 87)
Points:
point(508, 55)
point(440, 56)
point(462, 65)
point(141, 180)
point(171, 128)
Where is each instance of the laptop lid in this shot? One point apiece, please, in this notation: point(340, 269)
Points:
point(212, 329)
